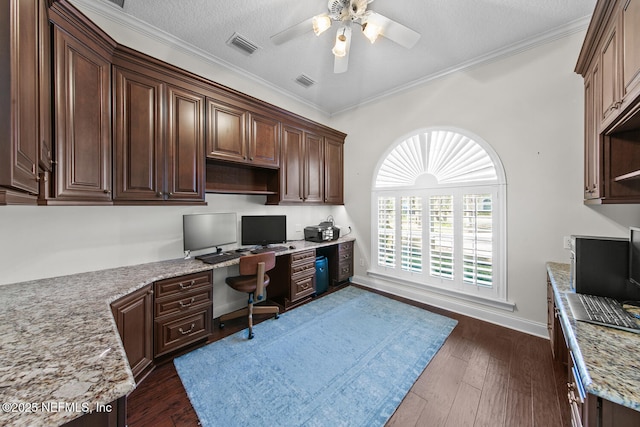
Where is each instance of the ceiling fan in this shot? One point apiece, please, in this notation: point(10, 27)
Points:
point(346, 13)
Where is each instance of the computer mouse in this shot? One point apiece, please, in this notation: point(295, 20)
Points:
point(292, 247)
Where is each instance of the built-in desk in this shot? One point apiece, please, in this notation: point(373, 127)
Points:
point(605, 360)
point(60, 348)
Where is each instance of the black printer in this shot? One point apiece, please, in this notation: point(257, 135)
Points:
point(322, 232)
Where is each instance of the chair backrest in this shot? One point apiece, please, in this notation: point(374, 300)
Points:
point(257, 264)
point(249, 263)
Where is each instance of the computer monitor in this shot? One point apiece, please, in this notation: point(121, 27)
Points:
point(264, 229)
point(634, 255)
point(209, 230)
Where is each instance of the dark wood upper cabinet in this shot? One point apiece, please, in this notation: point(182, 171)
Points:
point(19, 103)
point(313, 157)
point(333, 171)
point(159, 136)
point(609, 61)
point(86, 121)
point(238, 135)
point(226, 132)
point(185, 145)
point(264, 140)
point(137, 104)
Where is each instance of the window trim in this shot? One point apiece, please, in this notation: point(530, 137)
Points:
point(496, 296)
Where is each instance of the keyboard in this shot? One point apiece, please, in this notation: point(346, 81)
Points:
point(601, 311)
point(218, 258)
point(269, 249)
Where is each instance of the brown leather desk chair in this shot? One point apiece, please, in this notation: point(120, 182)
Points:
point(253, 281)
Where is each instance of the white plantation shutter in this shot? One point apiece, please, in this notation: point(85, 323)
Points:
point(386, 232)
point(411, 240)
point(439, 201)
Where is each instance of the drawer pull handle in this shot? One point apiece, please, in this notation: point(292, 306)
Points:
point(183, 305)
point(193, 325)
point(182, 286)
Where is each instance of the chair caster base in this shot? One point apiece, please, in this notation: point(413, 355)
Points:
point(221, 325)
point(250, 335)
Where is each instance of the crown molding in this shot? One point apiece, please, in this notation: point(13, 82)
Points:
point(541, 39)
point(115, 14)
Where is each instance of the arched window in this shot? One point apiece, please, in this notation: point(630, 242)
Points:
point(439, 214)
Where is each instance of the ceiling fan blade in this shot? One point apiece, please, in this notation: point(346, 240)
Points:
point(341, 64)
point(293, 32)
point(395, 31)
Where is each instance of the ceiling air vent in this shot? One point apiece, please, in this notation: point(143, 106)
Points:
point(242, 43)
point(305, 81)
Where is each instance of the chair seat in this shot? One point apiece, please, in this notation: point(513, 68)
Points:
point(245, 283)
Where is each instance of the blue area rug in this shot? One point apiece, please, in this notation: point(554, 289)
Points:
point(346, 359)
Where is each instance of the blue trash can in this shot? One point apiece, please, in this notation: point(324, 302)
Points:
point(322, 275)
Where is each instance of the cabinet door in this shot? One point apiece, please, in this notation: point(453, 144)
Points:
point(631, 47)
point(292, 168)
point(226, 132)
point(264, 141)
point(313, 168)
point(610, 75)
point(137, 101)
point(333, 171)
point(46, 139)
point(134, 319)
point(592, 146)
point(185, 145)
point(83, 121)
point(19, 107)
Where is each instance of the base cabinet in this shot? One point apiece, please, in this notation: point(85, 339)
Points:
point(293, 280)
point(133, 315)
point(586, 409)
point(183, 311)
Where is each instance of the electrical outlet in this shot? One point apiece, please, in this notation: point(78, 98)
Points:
point(361, 262)
point(298, 228)
point(566, 242)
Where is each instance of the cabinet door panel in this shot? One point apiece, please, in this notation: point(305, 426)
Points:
point(133, 316)
point(83, 122)
point(610, 69)
point(291, 172)
point(264, 142)
point(185, 145)
point(19, 106)
point(137, 100)
point(631, 45)
point(314, 168)
point(333, 176)
point(226, 132)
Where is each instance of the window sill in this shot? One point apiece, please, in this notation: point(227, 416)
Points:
point(490, 302)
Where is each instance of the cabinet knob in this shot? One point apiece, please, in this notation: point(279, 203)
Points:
point(159, 194)
point(107, 191)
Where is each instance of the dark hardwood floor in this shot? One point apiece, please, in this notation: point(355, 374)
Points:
point(484, 375)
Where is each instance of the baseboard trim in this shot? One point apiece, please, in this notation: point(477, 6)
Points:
point(426, 297)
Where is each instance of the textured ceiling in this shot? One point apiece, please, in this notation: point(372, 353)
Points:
point(455, 33)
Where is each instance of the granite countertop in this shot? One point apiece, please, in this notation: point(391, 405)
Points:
point(607, 359)
point(60, 349)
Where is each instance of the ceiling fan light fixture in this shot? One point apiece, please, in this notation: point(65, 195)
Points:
point(371, 31)
point(340, 48)
point(321, 23)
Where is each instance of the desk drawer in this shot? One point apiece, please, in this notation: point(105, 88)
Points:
point(174, 332)
point(345, 270)
point(182, 303)
point(303, 286)
point(303, 257)
point(182, 285)
point(303, 269)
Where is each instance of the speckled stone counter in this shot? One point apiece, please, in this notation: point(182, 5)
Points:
point(608, 360)
point(60, 350)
